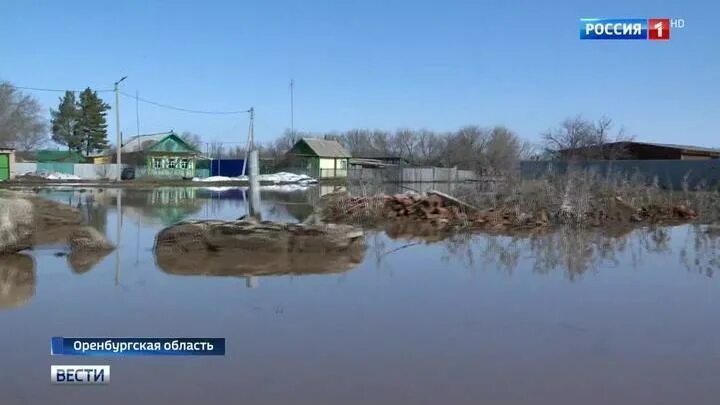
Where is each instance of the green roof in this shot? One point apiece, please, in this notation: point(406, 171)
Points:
point(172, 143)
point(59, 156)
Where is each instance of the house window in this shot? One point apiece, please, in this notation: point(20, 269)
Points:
point(172, 163)
point(343, 164)
point(183, 163)
point(157, 163)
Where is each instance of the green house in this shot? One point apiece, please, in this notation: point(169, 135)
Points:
point(320, 158)
point(171, 157)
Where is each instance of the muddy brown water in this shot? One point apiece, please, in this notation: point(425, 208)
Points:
point(619, 316)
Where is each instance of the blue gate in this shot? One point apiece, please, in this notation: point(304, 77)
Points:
point(227, 167)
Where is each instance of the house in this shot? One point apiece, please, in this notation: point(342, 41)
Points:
point(641, 151)
point(170, 157)
point(7, 164)
point(320, 158)
point(101, 159)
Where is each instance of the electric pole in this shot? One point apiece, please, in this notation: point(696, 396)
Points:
point(250, 139)
point(118, 136)
point(292, 107)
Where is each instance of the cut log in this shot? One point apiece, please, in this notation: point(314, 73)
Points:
point(450, 200)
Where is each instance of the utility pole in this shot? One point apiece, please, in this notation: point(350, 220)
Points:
point(250, 140)
point(292, 108)
point(137, 111)
point(118, 140)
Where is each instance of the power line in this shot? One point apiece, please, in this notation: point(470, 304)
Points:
point(155, 103)
point(54, 90)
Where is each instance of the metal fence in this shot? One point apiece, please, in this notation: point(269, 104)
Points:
point(85, 171)
point(674, 174)
point(410, 175)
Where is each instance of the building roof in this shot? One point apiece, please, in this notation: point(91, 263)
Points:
point(59, 156)
point(676, 146)
point(324, 147)
point(687, 148)
point(171, 143)
point(138, 143)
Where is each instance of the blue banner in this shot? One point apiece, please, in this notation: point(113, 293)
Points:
point(107, 346)
point(613, 28)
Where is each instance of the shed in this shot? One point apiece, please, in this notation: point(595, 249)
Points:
point(7, 164)
point(171, 157)
point(642, 151)
point(321, 158)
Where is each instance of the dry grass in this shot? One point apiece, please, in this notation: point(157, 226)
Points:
point(579, 197)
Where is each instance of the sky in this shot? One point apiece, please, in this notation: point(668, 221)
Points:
point(372, 64)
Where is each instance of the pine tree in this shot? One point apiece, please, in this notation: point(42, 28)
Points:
point(92, 124)
point(65, 122)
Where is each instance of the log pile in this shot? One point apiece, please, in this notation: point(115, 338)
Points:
point(423, 207)
point(441, 210)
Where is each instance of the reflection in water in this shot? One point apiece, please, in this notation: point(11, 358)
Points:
point(420, 320)
point(701, 251)
point(17, 280)
point(82, 262)
point(575, 251)
point(248, 263)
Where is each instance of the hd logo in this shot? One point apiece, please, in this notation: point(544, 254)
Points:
point(654, 29)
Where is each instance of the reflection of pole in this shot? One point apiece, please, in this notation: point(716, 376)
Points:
point(117, 238)
point(251, 282)
point(254, 185)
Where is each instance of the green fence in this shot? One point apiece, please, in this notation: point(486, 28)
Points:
point(54, 167)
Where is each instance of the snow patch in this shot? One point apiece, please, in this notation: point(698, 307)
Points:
point(276, 178)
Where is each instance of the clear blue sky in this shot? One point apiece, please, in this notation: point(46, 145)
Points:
point(373, 64)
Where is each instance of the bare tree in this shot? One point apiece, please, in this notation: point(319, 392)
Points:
point(403, 144)
point(581, 139)
point(503, 150)
point(192, 139)
point(21, 123)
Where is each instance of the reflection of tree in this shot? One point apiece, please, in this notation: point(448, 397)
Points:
point(17, 280)
point(701, 251)
point(578, 251)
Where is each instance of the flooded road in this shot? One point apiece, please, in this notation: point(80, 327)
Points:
point(622, 316)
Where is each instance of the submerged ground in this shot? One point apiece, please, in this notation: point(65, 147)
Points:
point(572, 316)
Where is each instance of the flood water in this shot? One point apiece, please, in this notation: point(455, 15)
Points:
point(620, 317)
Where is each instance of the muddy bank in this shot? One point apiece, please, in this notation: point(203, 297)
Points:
point(27, 221)
point(246, 247)
point(437, 214)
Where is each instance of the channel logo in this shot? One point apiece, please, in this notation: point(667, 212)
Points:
point(80, 374)
point(653, 29)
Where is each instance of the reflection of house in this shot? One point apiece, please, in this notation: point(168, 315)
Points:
point(7, 164)
point(642, 151)
point(319, 157)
